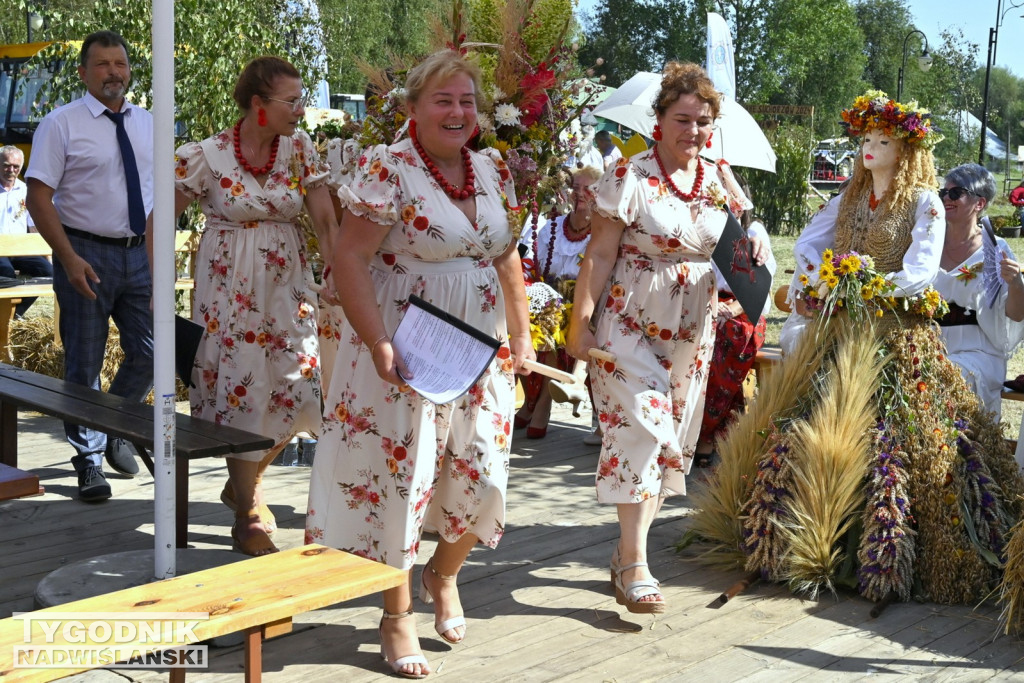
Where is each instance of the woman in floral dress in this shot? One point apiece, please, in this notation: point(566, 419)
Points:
point(429, 217)
point(257, 367)
point(648, 272)
point(553, 254)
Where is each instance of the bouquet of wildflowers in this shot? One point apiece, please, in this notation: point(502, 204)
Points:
point(850, 281)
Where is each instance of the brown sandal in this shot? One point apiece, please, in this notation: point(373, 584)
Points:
point(254, 545)
point(227, 496)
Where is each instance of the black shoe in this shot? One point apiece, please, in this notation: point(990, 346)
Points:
point(121, 458)
point(92, 485)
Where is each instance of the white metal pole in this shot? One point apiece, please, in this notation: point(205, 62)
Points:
point(164, 565)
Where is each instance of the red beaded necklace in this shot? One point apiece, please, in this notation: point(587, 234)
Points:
point(468, 189)
point(872, 202)
point(543, 274)
point(569, 234)
point(240, 158)
point(698, 179)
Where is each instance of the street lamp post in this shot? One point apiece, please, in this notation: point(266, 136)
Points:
point(993, 40)
point(33, 22)
point(924, 61)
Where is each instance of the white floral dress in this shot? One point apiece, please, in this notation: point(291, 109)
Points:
point(257, 366)
point(342, 156)
point(390, 464)
point(657, 317)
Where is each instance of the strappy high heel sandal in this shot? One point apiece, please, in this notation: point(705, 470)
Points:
point(252, 545)
point(397, 663)
point(428, 599)
point(227, 496)
point(632, 596)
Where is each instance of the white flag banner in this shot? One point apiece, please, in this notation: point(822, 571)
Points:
point(721, 63)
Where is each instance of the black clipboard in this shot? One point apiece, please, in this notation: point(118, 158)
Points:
point(187, 335)
point(734, 256)
point(489, 343)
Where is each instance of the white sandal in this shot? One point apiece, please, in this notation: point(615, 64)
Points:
point(632, 595)
point(398, 663)
point(428, 599)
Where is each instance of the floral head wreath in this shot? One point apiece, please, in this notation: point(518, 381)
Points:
point(874, 110)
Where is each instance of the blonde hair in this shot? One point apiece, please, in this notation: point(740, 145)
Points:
point(684, 78)
point(915, 173)
point(440, 67)
point(591, 174)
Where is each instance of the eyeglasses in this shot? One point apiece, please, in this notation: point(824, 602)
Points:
point(297, 104)
point(955, 193)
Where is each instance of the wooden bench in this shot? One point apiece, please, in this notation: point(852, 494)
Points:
point(15, 483)
point(258, 596)
point(117, 417)
point(33, 244)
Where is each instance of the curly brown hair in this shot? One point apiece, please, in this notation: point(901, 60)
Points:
point(685, 78)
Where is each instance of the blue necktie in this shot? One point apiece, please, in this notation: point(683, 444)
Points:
point(136, 209)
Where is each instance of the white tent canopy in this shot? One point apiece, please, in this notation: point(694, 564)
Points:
point(970, 125)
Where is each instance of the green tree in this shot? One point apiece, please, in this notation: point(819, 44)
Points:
point(622, 34)
point(370, 32)
point(885, 25)
point(215, 39)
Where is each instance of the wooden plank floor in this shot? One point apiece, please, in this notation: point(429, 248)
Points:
point(539, 607)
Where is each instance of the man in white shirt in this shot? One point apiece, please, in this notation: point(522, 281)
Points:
point(90, 193)
point(15, 220)
point(609, 152)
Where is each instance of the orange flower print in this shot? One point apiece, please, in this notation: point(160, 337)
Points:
point(653, 330)
point(179, 172)
point(408, 213)
point(249, 225)
point(341, 412)
point(212, 326)
point(501, 441)
point(262, 338)
point(305, 310)
point(617, 291)
point(392, 465)
point(237, 190)
point(375, 167)
point(233, 400)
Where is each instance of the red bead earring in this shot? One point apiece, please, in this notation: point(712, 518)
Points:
point(261, 116)
point(708, 143)
point(657, 133)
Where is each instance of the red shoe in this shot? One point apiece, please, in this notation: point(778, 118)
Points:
point(536, 432)
point(520, 422)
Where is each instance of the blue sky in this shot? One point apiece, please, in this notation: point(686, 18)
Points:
point(975, 18)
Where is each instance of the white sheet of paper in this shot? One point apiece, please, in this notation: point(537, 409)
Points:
point(444, 360)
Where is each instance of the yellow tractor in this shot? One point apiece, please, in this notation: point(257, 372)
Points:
point(22, 87)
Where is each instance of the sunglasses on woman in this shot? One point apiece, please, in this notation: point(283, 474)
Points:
point(955, 193)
